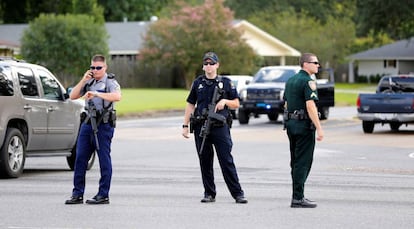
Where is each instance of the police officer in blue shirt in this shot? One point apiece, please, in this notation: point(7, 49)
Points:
point(200, 97)
point(100, 91)
point(301, 120)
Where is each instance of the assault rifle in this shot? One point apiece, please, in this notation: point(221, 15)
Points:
point(92, 115)
point(211, 117)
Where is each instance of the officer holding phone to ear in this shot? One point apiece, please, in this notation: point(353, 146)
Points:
point(100, 90)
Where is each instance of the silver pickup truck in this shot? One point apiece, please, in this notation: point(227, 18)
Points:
point(36, 117)
point(393, 103)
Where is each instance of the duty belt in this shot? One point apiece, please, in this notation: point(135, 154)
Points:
point(99, 118)
point(298, 115)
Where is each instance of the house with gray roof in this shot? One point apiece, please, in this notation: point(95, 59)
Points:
point(126, 39)
point(395, 58)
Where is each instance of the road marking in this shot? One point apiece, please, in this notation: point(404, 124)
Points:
point(411, 155)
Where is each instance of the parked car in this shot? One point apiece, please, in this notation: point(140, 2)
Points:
point(264, 95)
point(37, 118)
point(240, 82)
point(393, 103)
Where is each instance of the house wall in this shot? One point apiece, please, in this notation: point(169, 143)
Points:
point(406, 66)
point(374, 67)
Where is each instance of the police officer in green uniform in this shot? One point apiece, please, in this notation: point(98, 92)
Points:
point(301, 120)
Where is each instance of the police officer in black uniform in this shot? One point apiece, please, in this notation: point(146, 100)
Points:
point(100, 91)
point(301, 120)
point(200, 97)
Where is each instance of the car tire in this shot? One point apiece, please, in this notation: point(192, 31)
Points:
point(72, 158)
point(243, 117)
point(395, 126)
point(273, 116)
point(12, 154)
point(324, 113)
point(368, 127)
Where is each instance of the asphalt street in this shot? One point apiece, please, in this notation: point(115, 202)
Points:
point(358, 180)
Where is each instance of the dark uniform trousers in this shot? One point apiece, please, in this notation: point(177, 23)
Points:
point(302, 144)
point(84, 149)
point(221, 139)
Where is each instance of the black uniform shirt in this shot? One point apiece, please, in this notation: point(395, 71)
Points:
point(202, 91)
point(300, 88)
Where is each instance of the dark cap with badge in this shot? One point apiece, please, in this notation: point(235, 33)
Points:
point(211, 56)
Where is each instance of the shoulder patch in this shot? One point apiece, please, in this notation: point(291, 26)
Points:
point(312, 85)
point(111, 76)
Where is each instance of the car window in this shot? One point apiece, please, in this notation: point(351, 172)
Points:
point(27, 82)
point(235, 83)
point(6, 83)
point(273, 75)
point(401, 84)
point(50, 86)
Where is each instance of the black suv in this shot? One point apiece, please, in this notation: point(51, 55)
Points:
point(264, 95)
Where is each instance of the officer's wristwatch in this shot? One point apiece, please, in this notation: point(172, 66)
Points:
point(95, 94)
point(185, 126)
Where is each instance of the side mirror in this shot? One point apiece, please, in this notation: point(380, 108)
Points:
point(68, 91)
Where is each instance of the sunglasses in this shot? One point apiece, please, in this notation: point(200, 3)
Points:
point(209, 63)
point(313, 62)
point(96, 67)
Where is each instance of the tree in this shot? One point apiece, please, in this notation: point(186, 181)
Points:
point(89, 7)
point(372, 40)
point(318, 9)
point(247, 8)
point(23, 11)
point(396, 18)
point(133, 10)
point(182, 39)
point(64, 43)
point(328, 41)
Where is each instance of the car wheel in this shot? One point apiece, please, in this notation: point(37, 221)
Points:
point(395, 126)
point(12, 154)
point(368, 126)
point(243, 117)
point(72, 158)
point(273, 116)
point(324, 113)
point(233, 114)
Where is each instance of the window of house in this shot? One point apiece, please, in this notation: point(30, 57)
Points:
point(390, 63)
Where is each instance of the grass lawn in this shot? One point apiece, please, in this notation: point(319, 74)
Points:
point(138, 101)
point(135, 101)
point(346, 94)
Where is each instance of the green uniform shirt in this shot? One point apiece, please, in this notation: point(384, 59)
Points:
point(299, 88)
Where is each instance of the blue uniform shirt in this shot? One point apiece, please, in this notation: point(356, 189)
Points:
point(103, 85)
point(202, 91)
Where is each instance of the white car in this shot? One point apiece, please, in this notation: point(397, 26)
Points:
point(240, 82)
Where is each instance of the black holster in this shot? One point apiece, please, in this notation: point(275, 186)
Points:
point(229, 120)
point(195, 120)
point(112, 118)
